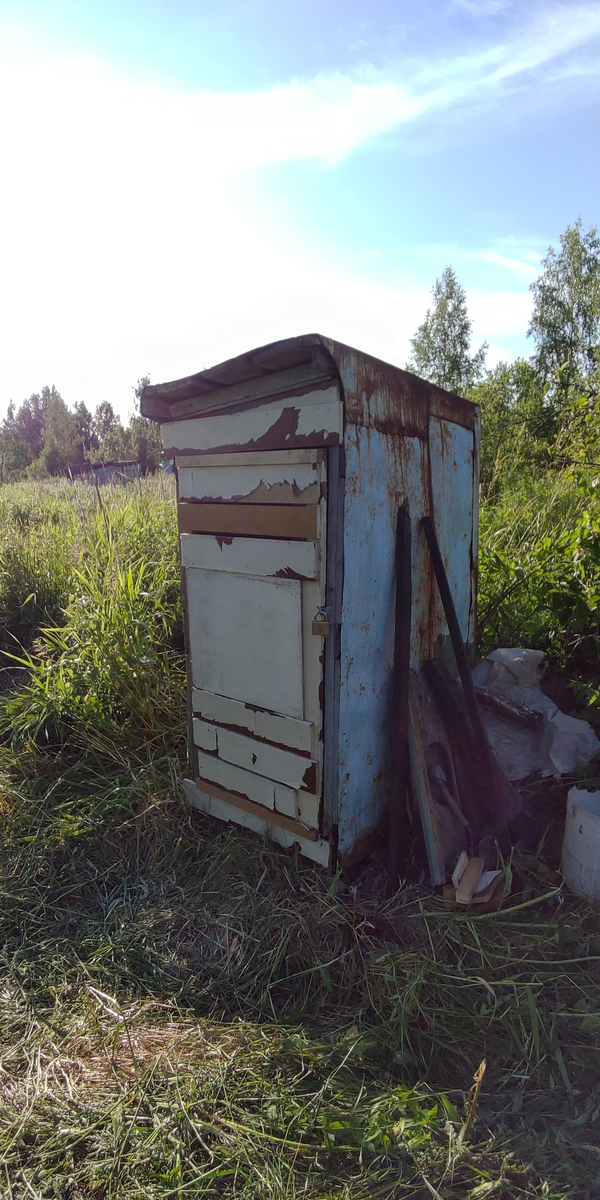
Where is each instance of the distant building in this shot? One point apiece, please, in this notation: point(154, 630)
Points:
point(109, 472)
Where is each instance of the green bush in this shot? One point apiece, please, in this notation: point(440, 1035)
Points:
point(539, 574)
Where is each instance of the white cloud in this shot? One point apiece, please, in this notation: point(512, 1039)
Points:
point(523, 268)
point(498, 314)
point(482, 8)
point(128, 243)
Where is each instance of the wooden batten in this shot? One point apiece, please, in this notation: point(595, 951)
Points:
point(258, 810)
point(251, 520)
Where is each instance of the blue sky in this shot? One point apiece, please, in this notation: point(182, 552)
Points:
point(185, 180)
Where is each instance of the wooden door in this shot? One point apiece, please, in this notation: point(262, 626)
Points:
point(256, 665)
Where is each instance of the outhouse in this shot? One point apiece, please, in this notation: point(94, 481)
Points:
point(291, 463)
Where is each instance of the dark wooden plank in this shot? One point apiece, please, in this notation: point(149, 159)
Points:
point(253, 520)
point(398, 824)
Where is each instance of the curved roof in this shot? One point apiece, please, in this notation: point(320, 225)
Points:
point(156, 398)
point(318, 356)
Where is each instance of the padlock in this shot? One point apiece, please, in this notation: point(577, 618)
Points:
point(320, 623)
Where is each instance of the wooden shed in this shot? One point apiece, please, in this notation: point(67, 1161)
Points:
point(291, 463)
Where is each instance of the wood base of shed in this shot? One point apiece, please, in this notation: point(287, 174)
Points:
point(318, 851)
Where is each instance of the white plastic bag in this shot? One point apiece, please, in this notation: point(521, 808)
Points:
point(561, 746)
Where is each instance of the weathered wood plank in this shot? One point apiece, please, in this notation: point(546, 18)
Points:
point(264, 759)
point(249, 520)
point(274, 818)
point(270, 795)
point(309, 808)
point(284, 731)
point(318, 851)
point(298, 735)
point(243, 783)
point(288, 427)
point(267, 386)
point(277, 483)
point(223, 710)
point(245, 637)
point(250, 556)
point(205, 735)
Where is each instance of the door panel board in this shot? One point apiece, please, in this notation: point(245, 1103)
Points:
point(252, 458)
point(213, 806)
point(246, 639)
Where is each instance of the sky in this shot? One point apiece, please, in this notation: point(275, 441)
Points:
point(185, 180)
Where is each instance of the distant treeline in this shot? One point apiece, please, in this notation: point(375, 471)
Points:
point(44, 437)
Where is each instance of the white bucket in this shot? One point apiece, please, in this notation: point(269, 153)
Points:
point(581, 844)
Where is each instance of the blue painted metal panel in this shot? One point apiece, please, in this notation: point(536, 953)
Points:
point(394, 450)
point(452, 452)
point(380, 472)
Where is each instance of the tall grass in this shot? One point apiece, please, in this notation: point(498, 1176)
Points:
point(188, 1010)
point(109, 665)
point(50, 530)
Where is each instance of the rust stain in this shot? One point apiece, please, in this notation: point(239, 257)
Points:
point(361, 848)
point(391, 402)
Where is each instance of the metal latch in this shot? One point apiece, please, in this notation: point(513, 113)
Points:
point(320, 623)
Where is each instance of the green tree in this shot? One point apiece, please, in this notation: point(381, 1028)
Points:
point(111, 439)
point(145, 435)
point(517, 427)
point(441, 345)
point(14, 452)
point(84, 424)
point(62, 445)
point(146, 443)
point(105, 421)
point(30, 420)
point(565, 322)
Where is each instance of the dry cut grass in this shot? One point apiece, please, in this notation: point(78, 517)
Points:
point(188, 1011)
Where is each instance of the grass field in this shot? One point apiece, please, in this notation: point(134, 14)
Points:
point(190, 1012)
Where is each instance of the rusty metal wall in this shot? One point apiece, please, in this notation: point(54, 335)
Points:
point(395, 449)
